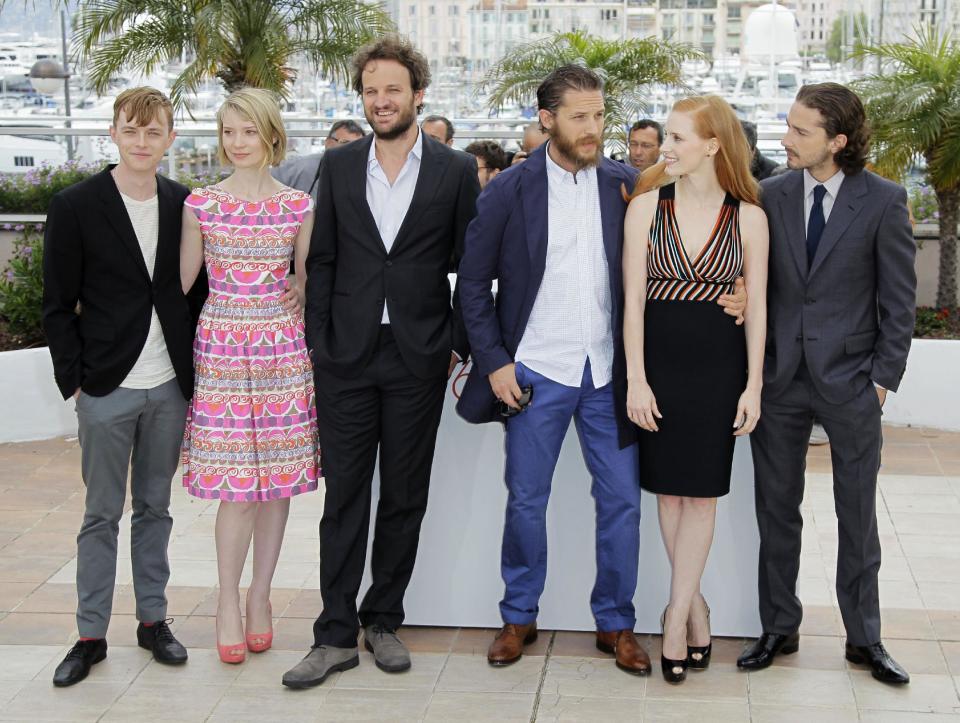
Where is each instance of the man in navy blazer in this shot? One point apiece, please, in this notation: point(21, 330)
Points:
point(551, 232)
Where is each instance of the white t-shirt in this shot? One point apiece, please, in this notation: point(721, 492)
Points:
point(153, 366)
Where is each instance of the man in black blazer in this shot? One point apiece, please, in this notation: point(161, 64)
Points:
point(120, 333)
point(392, 211)
point(842, 299)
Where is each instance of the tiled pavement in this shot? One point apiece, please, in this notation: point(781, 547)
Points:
point(562, 678)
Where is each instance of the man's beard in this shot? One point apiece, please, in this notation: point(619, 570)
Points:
point(567, 148)
point(405, 119)
point(798, 164)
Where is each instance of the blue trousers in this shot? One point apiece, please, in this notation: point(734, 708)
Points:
point(533, 442)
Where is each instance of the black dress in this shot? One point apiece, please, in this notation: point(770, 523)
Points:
point(695, 356)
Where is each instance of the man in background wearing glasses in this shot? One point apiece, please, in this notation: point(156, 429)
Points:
point(491, 159)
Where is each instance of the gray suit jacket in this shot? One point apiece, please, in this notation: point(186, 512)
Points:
point(851, 315)
point(301, 173)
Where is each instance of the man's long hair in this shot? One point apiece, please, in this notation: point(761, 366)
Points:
point(843, 113)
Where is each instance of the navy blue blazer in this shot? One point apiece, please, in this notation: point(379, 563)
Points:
point(507, 242)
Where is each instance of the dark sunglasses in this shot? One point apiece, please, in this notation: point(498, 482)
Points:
point(506, 411)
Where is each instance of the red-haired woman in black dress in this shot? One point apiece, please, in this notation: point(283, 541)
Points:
point(694, 377)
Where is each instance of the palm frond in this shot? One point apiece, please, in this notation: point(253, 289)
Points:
point(146, 46)
point(240, 42)
point(914, 105)
point(628, 68)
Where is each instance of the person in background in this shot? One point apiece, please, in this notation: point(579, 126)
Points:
point(303, 172)
point(534, 136)
point(760, 166)
point(490, 159)
point(643, 144)
point(438, 128)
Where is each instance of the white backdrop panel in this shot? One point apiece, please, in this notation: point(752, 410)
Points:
point(457, 582)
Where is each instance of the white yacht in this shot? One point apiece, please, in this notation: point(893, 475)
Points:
point(19, 154)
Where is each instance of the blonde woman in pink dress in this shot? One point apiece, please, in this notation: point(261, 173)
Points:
point(251, 436)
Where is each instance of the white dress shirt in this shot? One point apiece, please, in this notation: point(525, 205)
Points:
point(153, 367)
point(571, 319)
point(389, 204)
point(832, 185)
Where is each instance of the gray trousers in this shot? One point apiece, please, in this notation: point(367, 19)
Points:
point(779, 445)
point(140, 430)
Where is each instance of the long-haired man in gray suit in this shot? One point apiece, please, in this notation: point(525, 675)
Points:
point(842, 299)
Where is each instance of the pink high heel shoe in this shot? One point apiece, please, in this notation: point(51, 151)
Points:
point(259, 642)
point(232, 654)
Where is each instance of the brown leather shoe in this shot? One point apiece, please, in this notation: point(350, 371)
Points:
point(507, 647)
point(631, 657)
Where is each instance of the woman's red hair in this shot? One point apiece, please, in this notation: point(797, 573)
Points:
point(712, 118)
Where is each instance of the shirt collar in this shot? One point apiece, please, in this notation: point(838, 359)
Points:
point(832, 184)
point(416, 151)
point(559, 174)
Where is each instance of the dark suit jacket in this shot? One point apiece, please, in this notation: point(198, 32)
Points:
point(761, 167)
point(851, 315)
point(507, 241)
point(350, 275)
point(92, 256)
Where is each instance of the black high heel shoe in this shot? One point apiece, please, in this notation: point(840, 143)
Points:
point(693, 651)
point(667, 666)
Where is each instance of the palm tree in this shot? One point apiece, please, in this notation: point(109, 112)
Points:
point(914, 108)
point(628, 69)
point(240, 42)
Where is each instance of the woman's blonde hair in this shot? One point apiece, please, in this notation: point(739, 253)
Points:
point(261, 108)
point(713, 118)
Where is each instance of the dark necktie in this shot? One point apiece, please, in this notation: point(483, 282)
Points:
point(816, 222)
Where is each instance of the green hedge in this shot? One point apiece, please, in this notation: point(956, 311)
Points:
point(31, 192)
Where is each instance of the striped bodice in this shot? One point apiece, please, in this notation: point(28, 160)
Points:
point(672, 275)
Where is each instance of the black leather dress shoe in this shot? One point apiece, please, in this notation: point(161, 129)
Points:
point(158, 639)
point(883, 667)
point(766, 648)
point(76, 666)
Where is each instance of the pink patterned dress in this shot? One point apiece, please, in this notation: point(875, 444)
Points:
point(251, 431)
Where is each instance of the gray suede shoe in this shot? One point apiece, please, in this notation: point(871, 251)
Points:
point(390, 654)
point(319, 664)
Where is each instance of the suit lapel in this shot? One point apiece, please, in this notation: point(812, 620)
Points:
point(433, 163)
point(116, 213)
point(611, 219)
point(357, 189)
point(168, 234)
point(533, 188)
point(847, 206)
point(791, 208)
